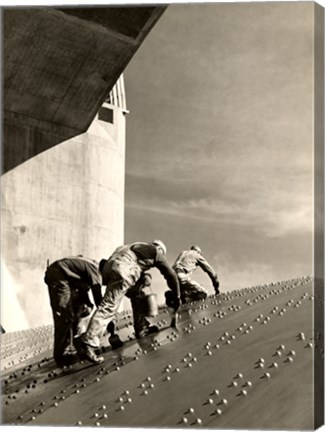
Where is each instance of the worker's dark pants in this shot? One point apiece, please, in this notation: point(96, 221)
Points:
point(139, 318)
point(136, 295)
point(64, 303)
point(190, 290)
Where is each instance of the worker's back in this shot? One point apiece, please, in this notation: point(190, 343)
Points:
point(187, 261)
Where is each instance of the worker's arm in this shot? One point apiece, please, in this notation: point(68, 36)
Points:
point(150, 252)
point(169, 274)
point(205, 266)
point(97, 293)
point(84, 297)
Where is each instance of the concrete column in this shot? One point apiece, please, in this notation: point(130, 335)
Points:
point(67, 200)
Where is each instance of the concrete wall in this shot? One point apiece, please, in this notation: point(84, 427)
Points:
point(67, 200)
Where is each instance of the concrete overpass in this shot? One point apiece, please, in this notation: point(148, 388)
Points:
point(59, 66)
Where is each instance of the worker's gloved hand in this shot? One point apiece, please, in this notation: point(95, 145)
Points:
point(84, 310)
point(146, 279)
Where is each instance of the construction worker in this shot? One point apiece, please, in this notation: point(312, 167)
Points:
point(123, 274)
point(184, 266)
point(69, 281)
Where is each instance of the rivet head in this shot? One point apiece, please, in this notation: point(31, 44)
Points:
point(224, 402)
point(198, 421)
point(218, 411)
point(185, 420)
point(244, 392)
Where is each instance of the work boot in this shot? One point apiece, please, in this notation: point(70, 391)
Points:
point(66, 360)
point(115, 341)
point(146, 331)
point(88, 353)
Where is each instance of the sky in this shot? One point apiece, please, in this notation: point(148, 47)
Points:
point(219, 140)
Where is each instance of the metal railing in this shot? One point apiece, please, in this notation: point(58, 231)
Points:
point(117, 95)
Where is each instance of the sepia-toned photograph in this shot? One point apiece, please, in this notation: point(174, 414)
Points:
point(162, 215)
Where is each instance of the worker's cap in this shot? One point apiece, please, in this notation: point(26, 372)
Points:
point(161, 245)
point(196, 248)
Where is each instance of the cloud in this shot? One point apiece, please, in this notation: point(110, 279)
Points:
point(266, 208)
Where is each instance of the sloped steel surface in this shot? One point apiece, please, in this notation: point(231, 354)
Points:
point(241, 360)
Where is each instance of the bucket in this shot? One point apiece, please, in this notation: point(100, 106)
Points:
point(150, 306)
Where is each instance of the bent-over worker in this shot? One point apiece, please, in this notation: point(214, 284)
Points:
point(185, 264)
point(121, 274)
point(69, 281)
